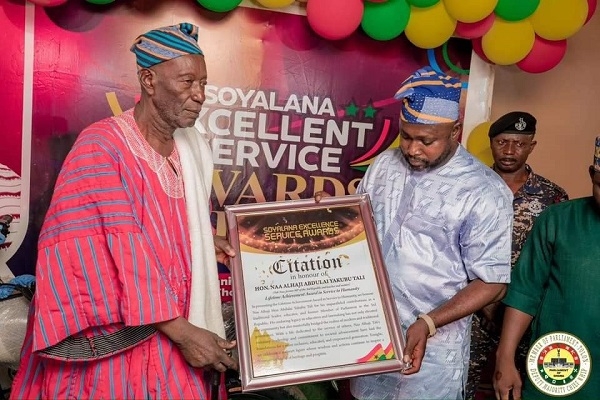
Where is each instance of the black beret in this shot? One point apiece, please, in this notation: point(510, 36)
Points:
point(513, 122)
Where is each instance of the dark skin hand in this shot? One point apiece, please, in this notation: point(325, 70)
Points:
point(320, 195)
point(224, 251)
point(416, 335)
point(506, 377)
point(200, 347)
point(472, 297)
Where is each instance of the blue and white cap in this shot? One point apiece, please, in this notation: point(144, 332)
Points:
point(429, 97)
point(166, 43)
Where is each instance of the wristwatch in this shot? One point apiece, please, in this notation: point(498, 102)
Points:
point(429, 323)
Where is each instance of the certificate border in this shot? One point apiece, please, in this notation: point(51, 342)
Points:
point(249, 381)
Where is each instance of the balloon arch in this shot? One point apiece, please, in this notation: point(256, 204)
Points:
point(531, 34)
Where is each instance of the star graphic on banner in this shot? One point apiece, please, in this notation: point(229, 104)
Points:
point(369, 110)
point(351, 109)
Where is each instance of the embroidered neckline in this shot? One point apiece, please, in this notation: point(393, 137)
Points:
point(167, 169)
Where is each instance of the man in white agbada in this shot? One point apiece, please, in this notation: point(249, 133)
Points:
point(444, 222)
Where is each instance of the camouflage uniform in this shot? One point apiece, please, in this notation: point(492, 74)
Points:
point(529, 201)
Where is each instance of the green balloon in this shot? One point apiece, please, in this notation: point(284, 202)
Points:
point(219, 5)
point(385, 21)
point(516, 10)
point(100, 1)
point(423, 3)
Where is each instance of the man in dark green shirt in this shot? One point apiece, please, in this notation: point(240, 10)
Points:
point(555, 284)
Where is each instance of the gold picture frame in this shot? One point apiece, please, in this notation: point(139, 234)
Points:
point(311, 295)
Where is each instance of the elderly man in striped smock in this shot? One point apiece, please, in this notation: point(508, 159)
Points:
point(127, 302)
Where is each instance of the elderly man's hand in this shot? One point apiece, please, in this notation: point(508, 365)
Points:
point(223, 250)
point(319, 195)
point(200, 347)
point(416, 341)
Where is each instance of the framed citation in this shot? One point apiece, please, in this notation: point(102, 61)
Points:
point(311, 295)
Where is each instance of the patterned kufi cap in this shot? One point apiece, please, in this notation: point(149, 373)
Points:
point(166, 43)
point(597, 155)
point(429, 97)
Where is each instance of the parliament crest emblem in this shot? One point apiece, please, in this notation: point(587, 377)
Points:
point(558, 364)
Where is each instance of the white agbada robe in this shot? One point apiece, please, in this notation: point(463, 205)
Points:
point(438, 230)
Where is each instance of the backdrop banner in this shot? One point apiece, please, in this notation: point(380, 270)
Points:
point(289, 112)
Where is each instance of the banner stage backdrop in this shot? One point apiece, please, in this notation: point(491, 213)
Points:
point(290, 113)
